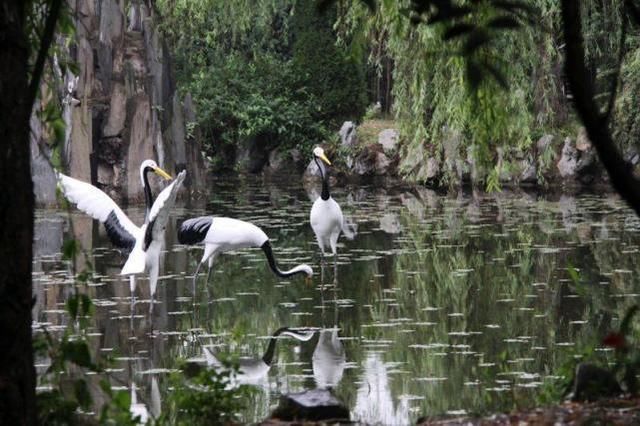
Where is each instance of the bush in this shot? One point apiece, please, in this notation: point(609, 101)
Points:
point(270, 73)
point(326, 71)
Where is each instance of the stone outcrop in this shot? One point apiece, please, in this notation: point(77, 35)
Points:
point(317, 405)
point(388, 138)
point(348, 134)
point(568, 160)
point(123, 105)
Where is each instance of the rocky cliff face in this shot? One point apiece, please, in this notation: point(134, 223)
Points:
point(122, 108)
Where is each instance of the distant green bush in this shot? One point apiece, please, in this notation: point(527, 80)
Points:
point(268, 71)
point(240, 98)
point(336, 80)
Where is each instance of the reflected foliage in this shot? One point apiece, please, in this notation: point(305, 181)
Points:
point(466, 301)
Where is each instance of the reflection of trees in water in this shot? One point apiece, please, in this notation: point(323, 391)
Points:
point(493, 259)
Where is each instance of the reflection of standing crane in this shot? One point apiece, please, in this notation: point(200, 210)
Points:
point(153, 406)
point(253, 370)
point(329, 359)
point(139, 409)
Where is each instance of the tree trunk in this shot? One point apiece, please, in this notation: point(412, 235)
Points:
point(596, 123)
point(17, 373)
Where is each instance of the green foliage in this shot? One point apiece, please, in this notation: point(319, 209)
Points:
point(117, 411)
point(207, 396)
point(241, 99)
point(264, 71)
point(431, 80)
point(327, 72)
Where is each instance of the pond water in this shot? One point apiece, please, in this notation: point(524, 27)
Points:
point(442, 304)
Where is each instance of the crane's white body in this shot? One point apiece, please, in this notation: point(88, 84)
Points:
point(227, 234)
point(148, 242)
point(223, 234)
point(327, 223)
point(326, 216)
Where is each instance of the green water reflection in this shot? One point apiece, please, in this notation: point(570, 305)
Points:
point(441, 304)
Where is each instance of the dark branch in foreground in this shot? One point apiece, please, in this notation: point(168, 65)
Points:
point(620, 174)
point(43, 49)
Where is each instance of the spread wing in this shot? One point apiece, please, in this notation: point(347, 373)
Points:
point(121, 231)
point(159, 215)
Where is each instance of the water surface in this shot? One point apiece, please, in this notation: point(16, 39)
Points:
point(440, 305)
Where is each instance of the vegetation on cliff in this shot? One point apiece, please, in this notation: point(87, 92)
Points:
point(280, 72)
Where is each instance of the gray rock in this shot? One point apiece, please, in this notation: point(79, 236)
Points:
point(122, 108)
point(135, 17)
point(106, 175)
point(363, 166)
point(312, 405)
point(582, 140)
point(568, 159)
point(251, 155)
point(382, 164)
point(348, 134)
point(544, 142)
point(117, 113)
point(312, 170)
point(529, 173)
point(592, 382)
point(388, 138)
point(587, 165)
point(178, 138)
point(433, 169)
point(43, 176)
point(390, 223)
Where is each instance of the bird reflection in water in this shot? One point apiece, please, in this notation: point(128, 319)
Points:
point(254, 370)
point(329, 359)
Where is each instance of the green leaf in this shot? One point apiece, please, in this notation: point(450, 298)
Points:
point(573, 274)
point(626, 321)
point(70, 249)
point(106, 387)
point(87, 304)
point(58, 127)
point(78, 353)
point(72, 307)
point(122, 399)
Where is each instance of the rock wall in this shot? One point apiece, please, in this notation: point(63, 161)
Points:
point(122, 108)
point(569, 162)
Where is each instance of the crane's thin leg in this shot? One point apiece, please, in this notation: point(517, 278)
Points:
point(132, 288)
point(208, 275)
point(153, 284)
point(193, 284)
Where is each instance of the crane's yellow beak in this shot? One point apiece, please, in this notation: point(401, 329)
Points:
point(308, 280)
point(324, 158)
point(162, 173)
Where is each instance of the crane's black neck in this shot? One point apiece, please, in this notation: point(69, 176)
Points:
point(268, 252)
point(148, 197)
point(267, 358)
point(325, 195)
